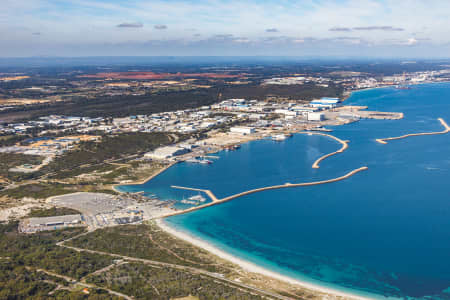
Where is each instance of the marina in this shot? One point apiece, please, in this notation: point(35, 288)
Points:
point(311, 208)
point(216, 201)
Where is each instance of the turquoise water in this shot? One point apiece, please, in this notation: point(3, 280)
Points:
point(383, 232)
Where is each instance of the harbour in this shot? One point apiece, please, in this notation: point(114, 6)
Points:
point(237, 226)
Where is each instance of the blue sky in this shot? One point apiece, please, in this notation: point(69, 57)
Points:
point(387, 28)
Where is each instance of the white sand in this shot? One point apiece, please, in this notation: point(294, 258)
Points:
point(250, 267)
point(18, 211)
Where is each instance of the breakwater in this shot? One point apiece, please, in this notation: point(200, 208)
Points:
point(442, 121)
point(216, 201)
point(342, 149)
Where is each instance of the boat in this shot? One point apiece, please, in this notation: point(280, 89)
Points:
point(192, 160)
point(319, 129)
point(198, 198)
point(232, 147)
point(279, 137)
point(199, 161)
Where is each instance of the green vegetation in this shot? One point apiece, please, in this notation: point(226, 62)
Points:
point(38, 190)
point(155, 282)
point(109, 148)
point(11, 160)
point(83, 170)
point(54, 211)
point(19, 282)
point(40, 251)
point(96, 105)
point(42, 269)
point(10, 140)
point(16, 282)
point(45, 190)
point(294, 92)
point(149, 242)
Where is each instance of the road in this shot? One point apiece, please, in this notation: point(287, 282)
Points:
point(74, 281)
point(179, 267)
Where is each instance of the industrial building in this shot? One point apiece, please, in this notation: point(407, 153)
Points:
point(242, 130)
point(166, 152)
point(316, 116)
point(32, 225)
point(325, 102)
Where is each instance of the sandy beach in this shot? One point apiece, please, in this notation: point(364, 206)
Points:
point(250, 267)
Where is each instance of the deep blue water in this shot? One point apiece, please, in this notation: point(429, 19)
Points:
point(385, 231)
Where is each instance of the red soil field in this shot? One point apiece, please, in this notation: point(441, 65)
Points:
point(151, 75)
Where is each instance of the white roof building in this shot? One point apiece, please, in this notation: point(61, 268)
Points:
point(166, 152)
point(242, 130)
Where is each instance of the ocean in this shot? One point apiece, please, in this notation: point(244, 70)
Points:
point(384, 232)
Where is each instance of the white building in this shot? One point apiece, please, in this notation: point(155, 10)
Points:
point(315, 116)
point(242, 130)
point(285, 112)
point(166, 152)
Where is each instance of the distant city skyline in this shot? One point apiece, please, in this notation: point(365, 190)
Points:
point(359, 28)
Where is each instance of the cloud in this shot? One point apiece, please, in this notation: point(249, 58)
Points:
point(160, 27)
point(272, 30)
point(366, 28)
point(383, 28)
point(346, 29)
point(36, 33)
point(130, 25)
point(348, 39)
point(223, 36)
point(411, 42)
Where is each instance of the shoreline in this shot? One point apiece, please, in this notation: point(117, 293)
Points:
point(145, 180)
point(252, 267)
point(248, 265)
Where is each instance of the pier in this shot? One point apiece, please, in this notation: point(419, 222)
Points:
point(342, 149)
point(446, 130)
point(216, 200)
point(207, 192)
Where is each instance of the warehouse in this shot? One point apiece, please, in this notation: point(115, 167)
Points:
point(315, 116)
point(242, 130)
point(32, 225)
point(166, 152)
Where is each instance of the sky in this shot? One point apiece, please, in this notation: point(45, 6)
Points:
point(323, 28)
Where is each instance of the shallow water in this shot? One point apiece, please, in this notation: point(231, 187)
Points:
point(385, 231)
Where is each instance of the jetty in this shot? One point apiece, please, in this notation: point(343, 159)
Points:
point(342, 149)
point(442, 121)
point(207, 192)
point(216, 201)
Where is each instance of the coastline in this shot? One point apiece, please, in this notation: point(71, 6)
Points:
point(251, 267)
point(247, 265)
point(143, 181)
